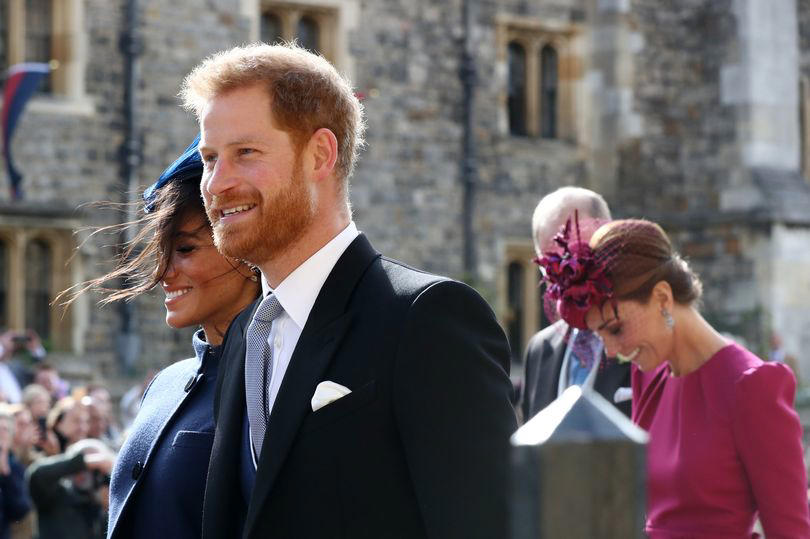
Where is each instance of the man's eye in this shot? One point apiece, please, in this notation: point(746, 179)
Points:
point(615, 330)
point(183, 249)
point(208, 158)
point(246, 151)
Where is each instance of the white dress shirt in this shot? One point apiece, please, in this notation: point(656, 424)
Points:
point(563, 384)
point(297, 294)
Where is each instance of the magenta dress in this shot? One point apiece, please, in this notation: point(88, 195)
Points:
point(725, 447)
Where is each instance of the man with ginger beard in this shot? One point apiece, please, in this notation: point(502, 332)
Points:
point(361, 397)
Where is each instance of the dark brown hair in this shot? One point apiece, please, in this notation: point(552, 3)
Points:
point(636, 255)
point(144, 260)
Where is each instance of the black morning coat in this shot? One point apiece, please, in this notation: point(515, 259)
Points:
point(418, 449)
point(542, 366)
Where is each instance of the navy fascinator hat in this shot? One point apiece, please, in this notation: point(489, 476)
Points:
point(186, 167)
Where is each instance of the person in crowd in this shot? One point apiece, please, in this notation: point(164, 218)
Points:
point(106, 427)
point(96, 422)
point(130, 401)
point(25, 433)
point(725, 442)
point(14, 501)
point(559, 356)
point(67, 487)
point(37, 400)
point(46, 375)
point(67, 423)
point(779, 354)
point(361, 397)
point(19, 351)
point(159, 479)
point(24, 449)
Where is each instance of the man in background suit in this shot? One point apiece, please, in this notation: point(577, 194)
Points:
point(552, 363)
point(361, 398)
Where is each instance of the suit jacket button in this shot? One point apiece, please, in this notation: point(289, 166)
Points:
point(136, 470)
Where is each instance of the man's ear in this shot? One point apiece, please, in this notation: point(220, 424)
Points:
point(324, 150)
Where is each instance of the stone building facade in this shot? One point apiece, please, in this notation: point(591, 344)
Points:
point(695, 114)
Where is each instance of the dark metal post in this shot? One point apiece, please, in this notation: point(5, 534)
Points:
point(467, 73)
point(128, 341)
point(578, 471)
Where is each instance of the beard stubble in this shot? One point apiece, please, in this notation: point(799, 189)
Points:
point(281, 221)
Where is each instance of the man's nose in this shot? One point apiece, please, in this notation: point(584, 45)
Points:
point(218, 179)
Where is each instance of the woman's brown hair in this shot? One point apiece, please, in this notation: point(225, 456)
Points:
point(636, 255)
point(144, 260)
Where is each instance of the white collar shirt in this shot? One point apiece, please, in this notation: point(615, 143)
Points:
point(563, 383)
point(297, 294)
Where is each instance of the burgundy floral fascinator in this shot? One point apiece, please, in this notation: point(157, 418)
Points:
point(575, 279)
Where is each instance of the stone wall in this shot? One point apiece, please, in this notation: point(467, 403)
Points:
point(688, 147)
point(406, 191)
point(70, 158)
point(656, 130)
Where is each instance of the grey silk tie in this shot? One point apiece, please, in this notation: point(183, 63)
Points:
point(259, 368)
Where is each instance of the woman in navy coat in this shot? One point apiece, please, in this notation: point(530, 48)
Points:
point(158, 481)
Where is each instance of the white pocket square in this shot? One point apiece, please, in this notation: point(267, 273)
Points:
point(623, 394)
point(327, 392)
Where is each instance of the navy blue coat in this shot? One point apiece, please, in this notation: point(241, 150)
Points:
point(158, 481)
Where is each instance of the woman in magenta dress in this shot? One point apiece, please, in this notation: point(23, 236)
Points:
point(725, 442)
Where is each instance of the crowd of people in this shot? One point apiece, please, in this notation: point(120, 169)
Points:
point(57, 446)
point(334, 392)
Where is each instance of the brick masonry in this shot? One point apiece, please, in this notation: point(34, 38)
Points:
point(657, 134)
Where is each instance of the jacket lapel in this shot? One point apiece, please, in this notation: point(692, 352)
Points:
point(222, 503)
point(176, 390)
point(233, 357)
point(552, 366)
point(327, 324)
point(613, 376)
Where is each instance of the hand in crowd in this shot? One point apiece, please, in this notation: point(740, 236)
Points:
point(13, 341)
point(98, 460)
point(49, 444)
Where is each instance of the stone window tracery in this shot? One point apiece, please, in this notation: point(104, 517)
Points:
point(540, 68)
point(34, 266)
point(312, 26)
point(517, 89)
point(47, 31)
point(38, 263)
point(548, 92)
point(519, 305)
